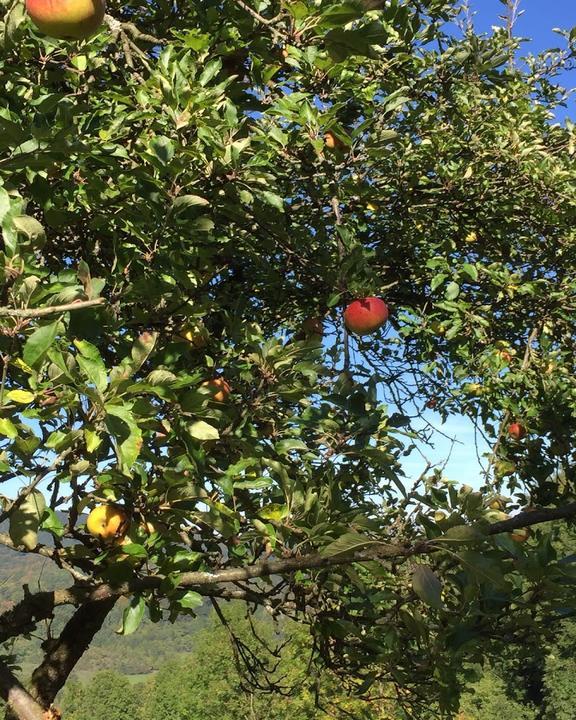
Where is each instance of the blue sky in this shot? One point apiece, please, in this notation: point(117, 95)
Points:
point(537, 22)
point(536, 25)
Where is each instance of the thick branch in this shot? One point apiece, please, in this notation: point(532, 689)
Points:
point(40, 606)
point(50, 310)
point(20, 702)
point(60, 660)
point(7, 541)
point(533, 517)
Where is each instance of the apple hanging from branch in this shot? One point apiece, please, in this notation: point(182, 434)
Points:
point(516, 430)
point(219, 389)
point(366, 315)
point(67, 19)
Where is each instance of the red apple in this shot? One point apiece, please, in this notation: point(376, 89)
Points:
point(516, 431)
point(67, 19)
point(366, 315)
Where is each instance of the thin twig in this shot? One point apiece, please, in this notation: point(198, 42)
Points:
point(263, 20)
point(51, 309)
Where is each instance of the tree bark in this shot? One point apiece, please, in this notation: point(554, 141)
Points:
point(21, 704)
point(60, 660)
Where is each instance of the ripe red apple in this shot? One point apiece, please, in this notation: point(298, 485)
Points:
point(366, 315)
point(516, 431)
point(67, 19)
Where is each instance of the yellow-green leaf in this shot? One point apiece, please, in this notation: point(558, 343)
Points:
point(8, 428)
point(20, 396)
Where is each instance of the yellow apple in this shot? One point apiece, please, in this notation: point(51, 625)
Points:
point(108, 522)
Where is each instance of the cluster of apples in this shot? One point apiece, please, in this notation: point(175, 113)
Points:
point(67, 19)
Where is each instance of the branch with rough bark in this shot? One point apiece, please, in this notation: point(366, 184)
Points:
point(20, 703)
point(50, 676)
point(40, 606)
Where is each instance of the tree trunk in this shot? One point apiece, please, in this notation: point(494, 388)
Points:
point(21, 705)
point(49, 677)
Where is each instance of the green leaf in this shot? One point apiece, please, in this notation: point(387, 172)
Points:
point(20, 396)
point(283, 447)
point(31, 228)
point(339, 15)
point(92, 365)
point(201, 430)
point(88, 350)
point(132, 616)
point(211, 69)
point(275, 511)
point(460, 534)
point(258, 483)
point(163, 149)
point(347, 544)
point(470, 270)
point(342, 43)
point(190, 600)
point(134, 550)
point(52, 523)
point(452, 291)
point(427, 586)
point(485, 569)
point(95, 372)
point(25, 520)
point(142, 348)
point(185, 201)
point(437, 280)
point(38, 343)
point(8, 428)
point(122, 426)
point(93, 440)
point(59, 440)
point(271, 198)
point(184, 560)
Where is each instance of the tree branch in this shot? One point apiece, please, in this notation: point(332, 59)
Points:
point(60, 660)
point(40, 606)
point(21, 703)
point(533, 517)
point(51, 309)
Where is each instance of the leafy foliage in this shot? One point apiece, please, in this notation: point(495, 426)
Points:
point(172, 214)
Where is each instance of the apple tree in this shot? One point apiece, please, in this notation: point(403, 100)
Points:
point(189, 200)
